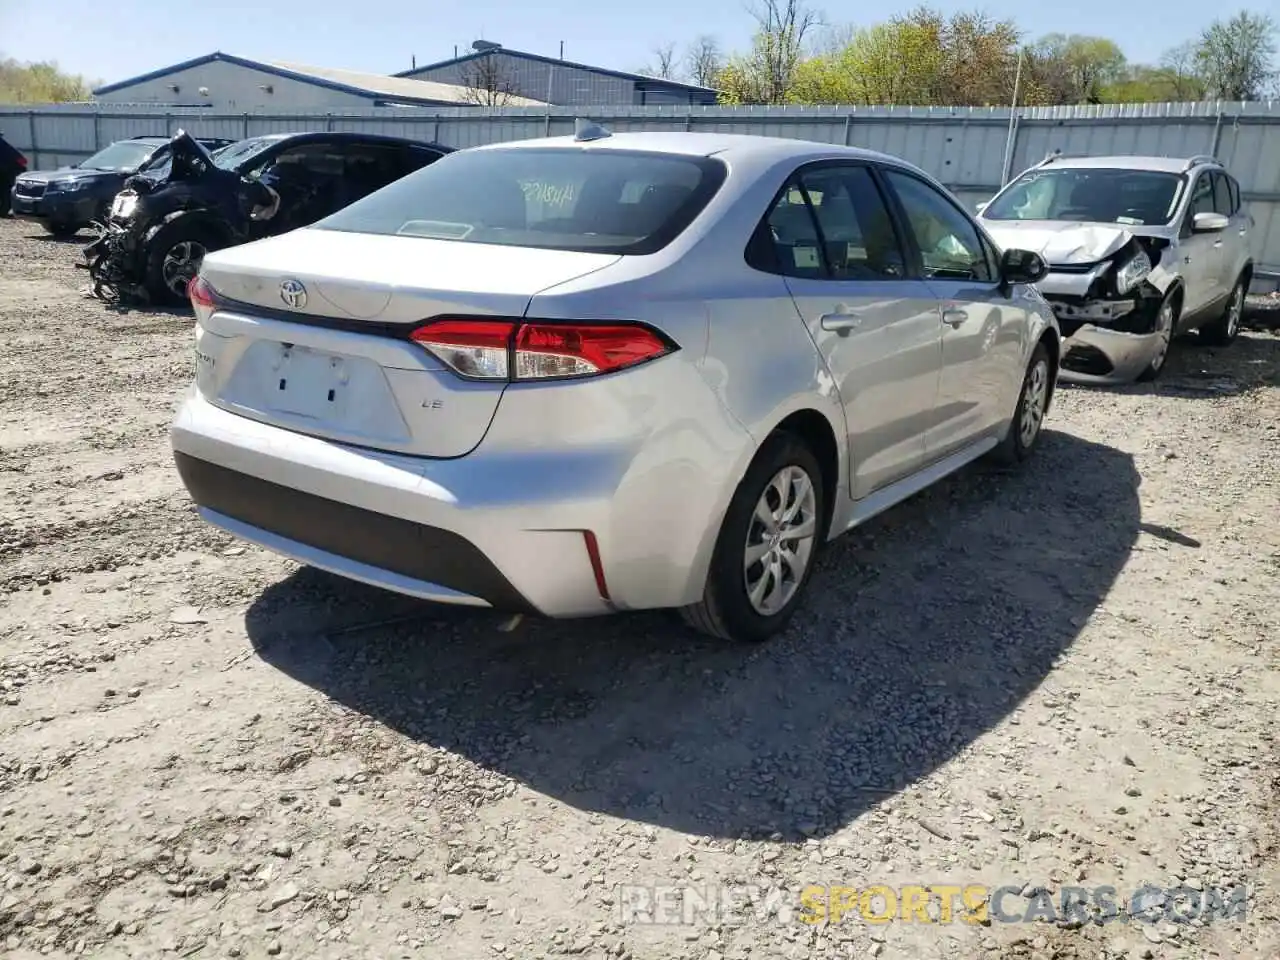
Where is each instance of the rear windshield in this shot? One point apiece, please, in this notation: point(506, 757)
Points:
point(599, 201)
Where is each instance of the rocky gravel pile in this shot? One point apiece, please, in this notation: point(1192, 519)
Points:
point(1004, 697)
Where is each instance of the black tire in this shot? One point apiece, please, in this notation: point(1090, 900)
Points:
point(1173, 303)
point(726, 611)
point(1019, 444)
point(61, 230)
point(168, 241)
point(1222, 330)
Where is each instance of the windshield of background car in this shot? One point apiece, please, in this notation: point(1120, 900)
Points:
point(588, 200)
point(125, 155)
point(242, 151)
point(1091, 195)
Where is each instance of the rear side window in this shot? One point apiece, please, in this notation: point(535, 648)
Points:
point(590, 200)
point(829, 223)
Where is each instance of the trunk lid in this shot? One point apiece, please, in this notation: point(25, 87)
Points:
point(305, 344)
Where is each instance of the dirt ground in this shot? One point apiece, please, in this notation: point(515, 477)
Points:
point(1064, 677)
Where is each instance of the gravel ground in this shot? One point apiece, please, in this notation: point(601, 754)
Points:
point(1060, 677)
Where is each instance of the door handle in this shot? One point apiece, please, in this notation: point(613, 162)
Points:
point(954, 316)
point(841, 322)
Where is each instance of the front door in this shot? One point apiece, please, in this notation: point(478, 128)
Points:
point(1201, 253)
point(982, 328)
point(875, 324)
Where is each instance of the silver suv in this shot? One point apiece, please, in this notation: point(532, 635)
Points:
point(1140, 250)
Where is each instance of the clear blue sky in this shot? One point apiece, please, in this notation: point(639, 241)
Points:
point(111, 40)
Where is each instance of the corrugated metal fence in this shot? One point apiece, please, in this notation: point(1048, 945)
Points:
point(972, 150)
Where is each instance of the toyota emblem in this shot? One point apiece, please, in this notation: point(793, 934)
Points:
point(293, 293)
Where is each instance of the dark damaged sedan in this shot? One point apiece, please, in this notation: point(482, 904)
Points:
point(164, 221)
point(64, 200)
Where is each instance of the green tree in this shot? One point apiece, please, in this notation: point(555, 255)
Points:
point(766, 73)
point(1236, 57)
point(39, 83)
point(1072, 68)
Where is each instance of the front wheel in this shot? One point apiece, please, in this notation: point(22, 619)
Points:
point(1166, 321)
point(765, 551)
point(1028, 416)
point(61, 230)
point(173, 259)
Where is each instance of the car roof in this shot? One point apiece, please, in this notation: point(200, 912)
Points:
point(343, 135)
point(1121, 162)
point(727, 145)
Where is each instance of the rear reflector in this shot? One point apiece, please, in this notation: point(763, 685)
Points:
point(515, 350)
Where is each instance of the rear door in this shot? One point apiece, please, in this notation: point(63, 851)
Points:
point(830, 234)
point(982, 329)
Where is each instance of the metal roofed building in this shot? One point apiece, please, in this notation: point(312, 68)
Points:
point(225, 82)
point(491, 66)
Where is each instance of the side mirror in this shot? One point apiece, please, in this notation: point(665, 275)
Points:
point(1207, 222)
point(979, 207)
point(1022, 266)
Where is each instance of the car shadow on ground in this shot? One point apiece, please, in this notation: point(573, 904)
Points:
point(83, 238)
point(924, 628)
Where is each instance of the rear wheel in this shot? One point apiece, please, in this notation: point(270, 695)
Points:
point(173, 259)
point(1220, 332)
point(765, 551)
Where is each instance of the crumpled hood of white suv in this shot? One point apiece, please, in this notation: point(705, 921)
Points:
point(1060, 243)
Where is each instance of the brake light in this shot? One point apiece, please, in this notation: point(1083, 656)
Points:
point(201, 296)
point(22, 161)
point(513, 350)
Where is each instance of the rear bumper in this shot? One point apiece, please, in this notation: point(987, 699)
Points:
point(506, 529)
point(387, 551)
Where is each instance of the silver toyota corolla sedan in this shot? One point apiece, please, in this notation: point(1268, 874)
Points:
point(610, 372)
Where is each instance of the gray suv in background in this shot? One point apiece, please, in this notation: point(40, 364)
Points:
point(1140, 250)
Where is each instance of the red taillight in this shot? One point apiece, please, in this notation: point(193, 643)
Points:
point(200, 293)
point(202, 298)
point(22, 161)
point(510, 350)
point(474, 348)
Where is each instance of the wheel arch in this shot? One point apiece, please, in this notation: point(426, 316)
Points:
point(815, 428)
point(816, 432)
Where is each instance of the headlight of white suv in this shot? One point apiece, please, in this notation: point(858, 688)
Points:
point(1132, 272)
point(123, 205)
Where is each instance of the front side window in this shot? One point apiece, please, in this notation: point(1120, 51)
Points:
point(1202, 195)
point(950, 246)
point(1089, 195)
point(1222, 195)
point(555, 198)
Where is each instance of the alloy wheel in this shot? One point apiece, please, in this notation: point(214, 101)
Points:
point(181, 264)
point(1234, 310)
point(1035, 396)
point(1164, 327)
point(780, 540)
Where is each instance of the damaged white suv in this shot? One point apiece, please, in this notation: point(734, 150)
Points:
point(1140, 250)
